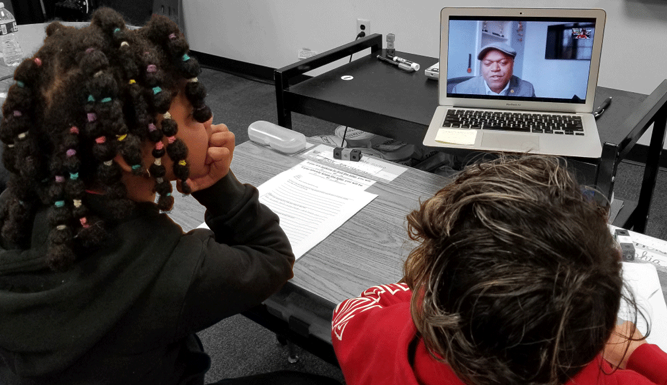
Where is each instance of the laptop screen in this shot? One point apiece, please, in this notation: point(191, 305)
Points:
point(542, 59)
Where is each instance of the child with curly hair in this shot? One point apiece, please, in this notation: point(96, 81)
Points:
point(97, 286)
point(516, 280)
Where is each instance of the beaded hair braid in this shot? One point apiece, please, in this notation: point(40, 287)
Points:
point(86, 96)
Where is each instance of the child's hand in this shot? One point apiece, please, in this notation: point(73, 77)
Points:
point(218, 158)
point(622, 343)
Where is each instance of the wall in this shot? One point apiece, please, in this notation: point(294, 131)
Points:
point(270, 32)
point(548, 74)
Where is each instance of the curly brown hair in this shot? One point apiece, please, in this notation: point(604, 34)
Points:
point(517, 278)
point(86, 96)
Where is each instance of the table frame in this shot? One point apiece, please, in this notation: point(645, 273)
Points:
point(652, 111)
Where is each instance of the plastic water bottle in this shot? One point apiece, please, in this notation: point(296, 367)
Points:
point(11, 50)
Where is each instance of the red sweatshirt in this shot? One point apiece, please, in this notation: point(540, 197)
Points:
point(371, 336)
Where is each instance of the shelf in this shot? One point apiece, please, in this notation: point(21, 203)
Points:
point(493, 36)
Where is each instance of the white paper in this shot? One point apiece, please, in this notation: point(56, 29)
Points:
point(368, 164)
point(648, 249)
point(645, 284)
point(334, 175)
point(311, 207)
point(312, 201)
point(453, 136)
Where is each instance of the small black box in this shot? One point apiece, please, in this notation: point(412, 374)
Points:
point(623, 239)
point(347, 154)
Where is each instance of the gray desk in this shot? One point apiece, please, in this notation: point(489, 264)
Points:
point(369, 249)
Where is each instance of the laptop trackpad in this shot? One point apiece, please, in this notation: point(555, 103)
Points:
point(504, 141)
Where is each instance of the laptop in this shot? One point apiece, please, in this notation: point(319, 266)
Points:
point(518, 80)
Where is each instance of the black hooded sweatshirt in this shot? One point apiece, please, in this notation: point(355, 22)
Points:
point(126, 312)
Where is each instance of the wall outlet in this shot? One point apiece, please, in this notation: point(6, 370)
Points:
point(363, 25)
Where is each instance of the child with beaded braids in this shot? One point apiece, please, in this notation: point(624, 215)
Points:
point(96, 285)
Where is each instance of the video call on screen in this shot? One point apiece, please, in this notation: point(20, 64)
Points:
point(553, 55)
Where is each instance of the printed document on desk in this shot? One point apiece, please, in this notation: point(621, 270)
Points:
point(312, 201)
point(368, 164)
point(648, 249)
point(645, 285)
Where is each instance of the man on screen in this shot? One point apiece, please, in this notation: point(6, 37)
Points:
point(497, 75)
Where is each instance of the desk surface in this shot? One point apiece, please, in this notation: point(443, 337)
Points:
point(368, 249)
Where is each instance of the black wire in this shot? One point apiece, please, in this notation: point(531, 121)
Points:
point(342, 142)
point(359, 35)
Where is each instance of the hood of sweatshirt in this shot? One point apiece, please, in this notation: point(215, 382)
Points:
point(50, 319)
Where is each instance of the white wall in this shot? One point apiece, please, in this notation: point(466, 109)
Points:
point(270, 32)
point(546, 75)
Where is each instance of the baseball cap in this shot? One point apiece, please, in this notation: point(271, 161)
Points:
point(502, 47)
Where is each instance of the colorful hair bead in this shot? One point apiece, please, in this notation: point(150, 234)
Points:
point(38, 61)
point(182, 162)
point(108, 163)
point(157, 162)
point(90, 49)
point(101, 139)
point(17, 113)
point(171, 139)
point(76, 202)
point(20, 83)
point(60, 179)
point(23, 135)
point(59, 203)
point(159, 146)
point(61, 227)
point(167, 115)
point(136, 167)
point(116, 30)
point(71, 152)
point(152, 68)
point(106, 100)
point(172, 36)
point(151, 127)
point(168, 194)
point(124, 44)
point(74, 130)
point(84, 222)
point(91, 116)
point(121, 137)
point(157, 90)
point(10, 145)
point(186, 57)
point(132, 81)
point(193, 80)
point(74, 175)
point(91, 98)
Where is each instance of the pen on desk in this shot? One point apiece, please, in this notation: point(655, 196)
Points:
point(403, 66)
point(600, 110)
point(415, 66)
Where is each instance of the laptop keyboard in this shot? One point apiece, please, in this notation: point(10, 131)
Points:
point(514, 121)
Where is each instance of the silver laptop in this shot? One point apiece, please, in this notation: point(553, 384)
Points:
point(518, 80)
